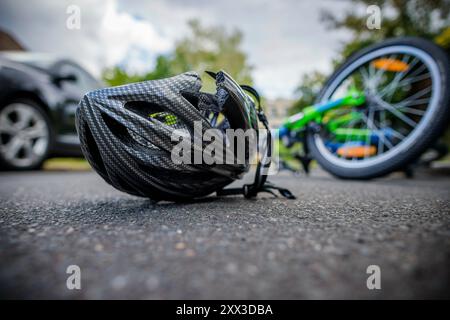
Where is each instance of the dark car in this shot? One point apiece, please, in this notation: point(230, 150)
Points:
point(38, 99)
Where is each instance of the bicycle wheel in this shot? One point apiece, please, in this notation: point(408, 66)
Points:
point(406, 84)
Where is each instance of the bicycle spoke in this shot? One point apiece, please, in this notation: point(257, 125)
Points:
point(380, 73)
point(414, 96)
point(370, 126)
point(417, 112)
point(398, 84)
point(390, 88)
point(378, 132)
point(413, 79)
point(351, 125)
point(397, 113)
point(411, 103)
point(365, 76)
point(383, 125)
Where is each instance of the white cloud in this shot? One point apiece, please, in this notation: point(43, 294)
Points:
point(129, 41)
point(283, 39)
point(107, 36)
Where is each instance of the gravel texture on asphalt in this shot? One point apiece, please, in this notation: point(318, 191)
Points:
point(318, 246)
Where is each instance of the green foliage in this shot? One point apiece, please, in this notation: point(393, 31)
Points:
point(428, 19)
point(307, 91)
point(424, 18)
point(116, 76)
point(204, 49)
point(443, 39)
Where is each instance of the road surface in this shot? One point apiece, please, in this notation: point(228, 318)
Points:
point(318, 246)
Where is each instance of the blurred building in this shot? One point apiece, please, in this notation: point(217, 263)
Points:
point(8, 42)
point(277, 110)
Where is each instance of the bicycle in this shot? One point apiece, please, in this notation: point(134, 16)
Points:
point(378, 113)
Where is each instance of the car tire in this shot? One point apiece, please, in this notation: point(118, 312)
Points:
point(25, 135)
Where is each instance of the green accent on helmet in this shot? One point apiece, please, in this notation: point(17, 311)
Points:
point(165, 117)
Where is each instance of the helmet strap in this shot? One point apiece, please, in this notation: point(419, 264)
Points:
point(260, 183)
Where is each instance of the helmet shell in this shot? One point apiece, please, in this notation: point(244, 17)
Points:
point(125, 134)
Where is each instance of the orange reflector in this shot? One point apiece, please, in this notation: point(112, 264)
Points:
point(356, 151)
point(393, 65)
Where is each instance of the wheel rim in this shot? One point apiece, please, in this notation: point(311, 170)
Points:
point(24, 135)
point(419, 105)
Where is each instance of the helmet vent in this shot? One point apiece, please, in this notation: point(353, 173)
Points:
point(118, 129)
point(93, 152)
point(124, 135)
point(192, 98)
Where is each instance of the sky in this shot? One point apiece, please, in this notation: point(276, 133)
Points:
point(283, 39)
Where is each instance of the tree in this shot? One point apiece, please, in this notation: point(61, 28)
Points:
point(203, 49)
point(424, 18)
point(308, 90)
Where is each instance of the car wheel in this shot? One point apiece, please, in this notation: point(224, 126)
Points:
point(25, 135)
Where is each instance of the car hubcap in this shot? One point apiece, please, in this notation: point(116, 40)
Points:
point(24, 135)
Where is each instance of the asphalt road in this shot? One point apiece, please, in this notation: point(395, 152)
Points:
point(318, 246)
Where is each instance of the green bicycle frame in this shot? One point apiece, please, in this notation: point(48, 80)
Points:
point(315, 113)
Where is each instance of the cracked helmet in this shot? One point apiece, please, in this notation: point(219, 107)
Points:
point(126, 131)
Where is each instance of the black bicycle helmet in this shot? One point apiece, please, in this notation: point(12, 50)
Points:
point(125, 134)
